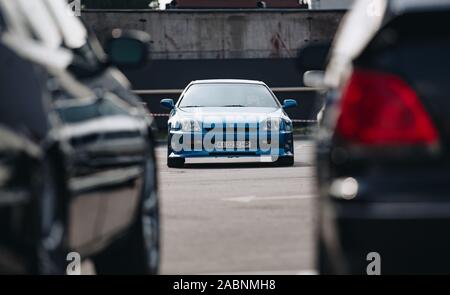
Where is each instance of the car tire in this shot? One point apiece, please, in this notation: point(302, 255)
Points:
point(175, 162)
point(323, 259)
point(48, 255)
point(285, 161)
point(138, 252)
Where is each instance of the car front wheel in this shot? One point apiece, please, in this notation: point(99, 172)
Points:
point(48, 254)
point(139, 251)
point(175, 162)
point(285, 161)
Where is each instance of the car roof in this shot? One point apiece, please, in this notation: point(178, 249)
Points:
point(42, 31)
point(231, 81)
point(402, 6)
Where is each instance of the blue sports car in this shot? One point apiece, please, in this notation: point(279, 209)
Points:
point(229, 120)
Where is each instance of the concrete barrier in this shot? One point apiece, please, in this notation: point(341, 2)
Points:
point(223, 34)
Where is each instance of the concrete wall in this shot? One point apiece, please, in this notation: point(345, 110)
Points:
point(330, 4)
point(221, 34)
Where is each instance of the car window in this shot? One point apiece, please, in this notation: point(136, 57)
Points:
point(44, 32)
point(76, 114)
point(81, 113)
point(88, 56)
point(32, 33)
point(41, 23)
point(228, 95)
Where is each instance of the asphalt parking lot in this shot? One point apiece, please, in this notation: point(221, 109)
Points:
point(245, 219)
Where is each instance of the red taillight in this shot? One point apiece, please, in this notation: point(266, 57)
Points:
point(381, 109)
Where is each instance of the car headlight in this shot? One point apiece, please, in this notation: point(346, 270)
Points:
point(271, 125)
point(287, 125)
point(190, 125)
point(185, 125)
point(175, 125)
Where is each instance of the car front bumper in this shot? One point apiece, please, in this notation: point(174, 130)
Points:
point(284, 147)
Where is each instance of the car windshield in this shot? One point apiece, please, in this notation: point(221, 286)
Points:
point(228, 95)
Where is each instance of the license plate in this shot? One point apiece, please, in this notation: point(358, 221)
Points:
point(232, 144)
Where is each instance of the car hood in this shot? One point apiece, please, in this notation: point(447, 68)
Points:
point(230, 114)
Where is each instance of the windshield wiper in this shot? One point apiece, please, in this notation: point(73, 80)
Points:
point(234, 106)
point(191, 106)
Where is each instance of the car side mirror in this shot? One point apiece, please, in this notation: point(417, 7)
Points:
point(289, 103)
point(315, 79)
point(167, 103)
point(128, 49)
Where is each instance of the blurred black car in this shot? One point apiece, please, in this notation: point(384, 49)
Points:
point(383, 146)
point(77, 162)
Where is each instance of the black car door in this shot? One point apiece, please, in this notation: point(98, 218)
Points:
point(104, 148)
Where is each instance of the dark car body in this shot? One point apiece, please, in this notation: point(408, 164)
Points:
point(382, 150)
point(77, 166)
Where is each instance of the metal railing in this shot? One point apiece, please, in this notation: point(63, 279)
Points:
point(179, 91)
